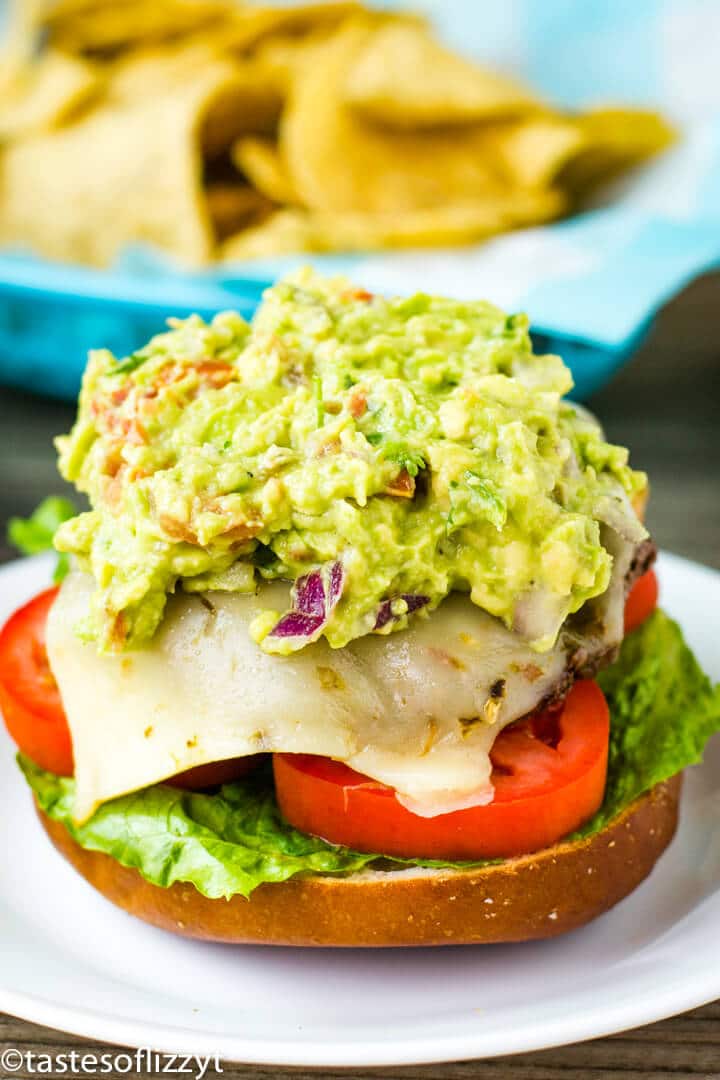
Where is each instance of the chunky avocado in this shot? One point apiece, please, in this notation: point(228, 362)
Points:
point(397, 449)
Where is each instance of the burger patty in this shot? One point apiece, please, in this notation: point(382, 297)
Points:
point(644, 557)
point(584, 662)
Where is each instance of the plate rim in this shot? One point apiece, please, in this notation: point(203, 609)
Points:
point(444, 1049)
point(691, 991)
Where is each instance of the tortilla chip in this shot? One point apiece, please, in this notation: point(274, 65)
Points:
point(260, 161)
point(339, 162)
point(45, 93)
point(284, 232)
point(615, 140)
point(403, 78)
point(291, 231)
point(448, 225)
point(144, 72)
point(253, 23)
point(282, 57)
point(632, 132)
point(532, 152)
point(129, 172)
point(248, 103)
point(99, 26)
point(234, 206)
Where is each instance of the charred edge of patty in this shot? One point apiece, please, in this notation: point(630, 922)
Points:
point(582, 663)
point(644, 557)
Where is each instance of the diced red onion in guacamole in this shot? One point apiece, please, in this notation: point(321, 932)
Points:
point(314, 598)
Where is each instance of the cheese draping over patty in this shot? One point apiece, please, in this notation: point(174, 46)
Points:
point(418, 710)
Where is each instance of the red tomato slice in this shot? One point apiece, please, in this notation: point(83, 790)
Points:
point(642, 601)
point(549, 777)
point(29, 697)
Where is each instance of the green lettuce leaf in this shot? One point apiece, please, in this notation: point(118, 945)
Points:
point(663, 710)
point(224, 844)
point(33, 535)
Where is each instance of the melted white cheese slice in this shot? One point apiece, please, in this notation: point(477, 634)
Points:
point(417, 709)
point(413, 709)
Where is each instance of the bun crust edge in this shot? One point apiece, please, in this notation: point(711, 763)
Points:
point(530, 897)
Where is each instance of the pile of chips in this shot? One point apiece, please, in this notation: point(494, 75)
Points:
point(217, 129)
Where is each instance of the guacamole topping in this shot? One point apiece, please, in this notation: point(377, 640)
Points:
point(378, 453)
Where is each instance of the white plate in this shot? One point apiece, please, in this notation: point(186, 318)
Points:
point(70, 960)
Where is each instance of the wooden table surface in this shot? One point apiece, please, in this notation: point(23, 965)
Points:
point(666, 406)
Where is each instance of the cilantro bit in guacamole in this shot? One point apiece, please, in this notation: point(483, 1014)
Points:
point(418, 442)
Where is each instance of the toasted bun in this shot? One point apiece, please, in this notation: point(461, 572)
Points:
point(534, 896)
